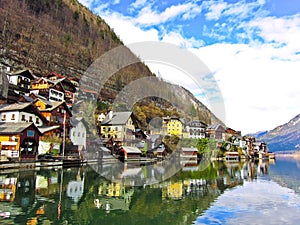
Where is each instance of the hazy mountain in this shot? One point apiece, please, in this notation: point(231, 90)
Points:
point(258, 134)
point(284, 137)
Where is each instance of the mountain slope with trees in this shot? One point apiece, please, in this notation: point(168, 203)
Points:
point(64, 37)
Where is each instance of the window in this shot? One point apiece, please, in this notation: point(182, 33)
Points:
point(83, 135)
point(73, 133)
point(37, 121)
point(78, 134)
point(23, 118)
point(13, 117)
point(3, 117)
point(30, 119)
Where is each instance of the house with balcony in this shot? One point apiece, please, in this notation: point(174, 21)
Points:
point(69, 86)
point(52, 90)
point(19, 141)
point(196, 129)
point(19, 84)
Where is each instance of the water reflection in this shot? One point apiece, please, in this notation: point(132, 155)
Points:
point(82, 196)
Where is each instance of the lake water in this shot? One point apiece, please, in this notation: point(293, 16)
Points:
point(219, 193)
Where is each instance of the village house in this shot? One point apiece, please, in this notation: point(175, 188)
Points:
point(56, 113)
point(69, 87)
point(196, 129)
point(78, 132)
point(172, 126)
point(161, 152)
point(118, 125)
point(130, 153)
point(19, 140)
point(22, 112)
point(19, 84)
point(51, 90)
point(188, 156)
point(216, 131)
point(229, 132)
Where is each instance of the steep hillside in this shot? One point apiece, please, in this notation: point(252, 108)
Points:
point(284, 137)
point(64, 37)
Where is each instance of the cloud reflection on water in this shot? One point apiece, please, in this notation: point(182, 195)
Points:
point(258, 202)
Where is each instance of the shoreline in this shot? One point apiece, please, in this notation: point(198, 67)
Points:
point(294, 155)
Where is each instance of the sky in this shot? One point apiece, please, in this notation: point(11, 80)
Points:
point(250, 47)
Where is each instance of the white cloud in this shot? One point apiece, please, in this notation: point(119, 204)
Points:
point(116, 2)
point(126, 29)
point(87, 3)
point(259, 92)
point(138, 4)
point(280, 32)
point(215, 11)
point(148, 16)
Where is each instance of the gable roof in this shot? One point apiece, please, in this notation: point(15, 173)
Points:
point(45, 129)
point(22, 106)
point(118, 118)
point(130, 149)
point(54, 105)
point(15, 106)
point(215, 126)
point(25, 73)
point(15, 128)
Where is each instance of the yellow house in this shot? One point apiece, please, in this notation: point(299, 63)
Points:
point(174, 126)
point(19, 140)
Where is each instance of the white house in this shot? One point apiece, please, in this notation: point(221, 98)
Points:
point(78, 132)
point(21, 112)
point(196, 129)
point(20, 81)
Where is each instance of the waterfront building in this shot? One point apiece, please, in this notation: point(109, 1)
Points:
point(196, 129)
point(216, 131)
point(118, 125)
point(22, 112)
point(19, 140)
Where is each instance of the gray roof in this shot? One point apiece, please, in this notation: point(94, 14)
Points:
point(44, 129)
point(214, 126)
point(189, 149)
point(13, 128)
point(14, 107)
point(118, 118)
point(130, 149)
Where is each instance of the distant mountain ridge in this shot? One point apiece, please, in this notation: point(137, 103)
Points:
point(284, 137)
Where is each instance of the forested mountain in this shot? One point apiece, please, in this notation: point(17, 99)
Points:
point(64, 37)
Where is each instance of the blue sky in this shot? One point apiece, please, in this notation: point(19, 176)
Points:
point(251, 47)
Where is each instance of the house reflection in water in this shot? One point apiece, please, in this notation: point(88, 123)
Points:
point(75, 188)
point(114, 196)
point(7, 188)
